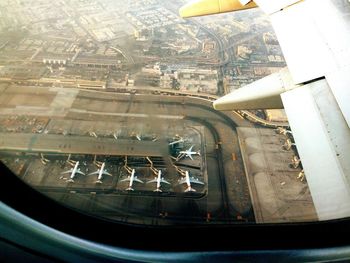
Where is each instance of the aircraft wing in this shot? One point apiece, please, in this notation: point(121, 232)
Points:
point(162, 180)
point(137, 180)
point(67, 172)
point(180, 156)
point(79, 172)
point(190, 155)
point(97, 172)
point(152, 181)
point(106, 173)
point(314, 91)
point(126, 179)
point(182, 181)
point(195, 181)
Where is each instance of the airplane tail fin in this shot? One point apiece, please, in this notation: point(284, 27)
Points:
point(157, 190)
point(70, 181)
point(98, 182)
point(190, 189)
point(207, 7)
point(129, 189)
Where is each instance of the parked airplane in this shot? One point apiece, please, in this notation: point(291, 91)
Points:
point(136, 136)
point(101, 172)
point(93, 134)
point(43, 159)
point(131, 180)
point(283, 131)
point(73, 172)
point(288, 145)
point(187, 153)
point(188, 180)
point(295, 162)
point(159, 179)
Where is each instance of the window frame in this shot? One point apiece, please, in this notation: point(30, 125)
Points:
point(227, 237)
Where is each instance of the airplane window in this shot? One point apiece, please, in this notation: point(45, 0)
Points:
point(107, 107)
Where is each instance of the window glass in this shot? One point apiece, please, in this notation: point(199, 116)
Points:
point(106, 107)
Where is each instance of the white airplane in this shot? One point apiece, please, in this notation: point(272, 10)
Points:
point(159, 179)
point(283, 131)
point(43, 159)
point(187, 153)
point(295, 162)
point(137, 136)
point(313, 89)
point(73, 172)
point(288, 145)
point(188, 180)
point(100, 173)
point(131, 180)
point(93, 134)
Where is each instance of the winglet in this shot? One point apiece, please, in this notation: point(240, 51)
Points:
point(208, 7)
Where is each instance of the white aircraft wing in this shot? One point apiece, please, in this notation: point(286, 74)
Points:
point(180, 156)
point(190, 155)
point(183, 181)
point(195, 181)
point(162, 180)
point(126, 179)
point(97, 172)
point(79, 172)
point(68, 172)
point(314, 91)
point(152, 181)
point(137, 180)
point(106, 173)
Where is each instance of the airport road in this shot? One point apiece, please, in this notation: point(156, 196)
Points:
point(164, 116)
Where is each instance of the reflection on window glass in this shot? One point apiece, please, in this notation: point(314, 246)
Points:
point(106, 107)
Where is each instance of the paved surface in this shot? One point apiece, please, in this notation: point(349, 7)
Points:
point(277, 194)
point(52, 143)
point(106, 114)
